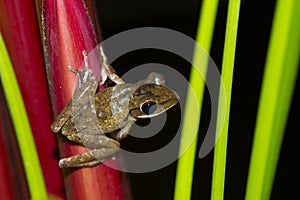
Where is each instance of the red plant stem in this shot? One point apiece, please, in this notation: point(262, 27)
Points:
point(68, 29)
point(21, 35)
point(13, 181)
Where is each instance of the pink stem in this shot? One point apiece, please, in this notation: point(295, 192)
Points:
point(69, 28)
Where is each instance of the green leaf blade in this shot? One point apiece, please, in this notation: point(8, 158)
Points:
point(22, 127)
point(220, 151)
point(278, 84)
point(185, 167)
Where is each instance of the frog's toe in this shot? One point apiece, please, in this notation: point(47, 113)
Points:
point(62, 163)
point(155, 78)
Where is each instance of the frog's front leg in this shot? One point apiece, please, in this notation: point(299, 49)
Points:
point(123, 133)
point(109, 71)
point(84, 74)
point(106, 148)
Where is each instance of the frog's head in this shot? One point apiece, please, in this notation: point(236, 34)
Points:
point(150, 100)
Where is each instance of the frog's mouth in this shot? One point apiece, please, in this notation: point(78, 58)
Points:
point(151, 108)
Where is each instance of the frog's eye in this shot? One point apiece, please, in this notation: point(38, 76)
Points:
point(148, 107)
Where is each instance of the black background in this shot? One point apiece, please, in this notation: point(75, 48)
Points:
point(252, 42)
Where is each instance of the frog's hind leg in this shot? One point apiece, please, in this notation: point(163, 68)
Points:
point(69, 130)
point(92, 157)
point(88, 159)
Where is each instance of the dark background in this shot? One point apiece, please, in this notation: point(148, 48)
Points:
point(253, 37)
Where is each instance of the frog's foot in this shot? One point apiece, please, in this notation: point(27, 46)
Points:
point(90, 158)
point(108, 70)
point(87, 159)
point(155, 78)
point(83, 74)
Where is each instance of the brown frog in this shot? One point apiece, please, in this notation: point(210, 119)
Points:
point(90, 116)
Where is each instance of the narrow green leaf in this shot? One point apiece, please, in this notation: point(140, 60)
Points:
point(22, 127)
point(278, 84)
point(185, 167)
point(227, 73)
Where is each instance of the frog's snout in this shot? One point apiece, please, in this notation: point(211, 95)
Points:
point(151, 100)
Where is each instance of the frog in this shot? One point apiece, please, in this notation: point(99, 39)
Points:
point(99, 120)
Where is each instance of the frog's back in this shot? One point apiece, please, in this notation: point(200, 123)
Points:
point(112, 107)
